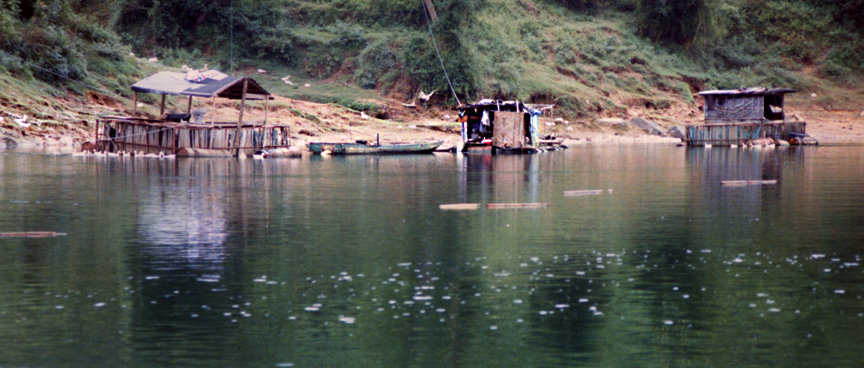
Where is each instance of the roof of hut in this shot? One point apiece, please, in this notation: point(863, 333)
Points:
point(209, 83)
point(492, 105)
point(754, 91)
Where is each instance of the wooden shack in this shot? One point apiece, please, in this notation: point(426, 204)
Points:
point(181, 133)
point(736, 117)
point(501, 127)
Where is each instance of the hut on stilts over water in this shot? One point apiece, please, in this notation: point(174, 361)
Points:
point(745, 116)
point(495, 126)
point(187, 134)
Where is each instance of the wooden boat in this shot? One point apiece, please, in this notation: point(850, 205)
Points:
point(364, 148)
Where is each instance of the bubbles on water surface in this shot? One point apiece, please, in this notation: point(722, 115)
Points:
point(536, 287)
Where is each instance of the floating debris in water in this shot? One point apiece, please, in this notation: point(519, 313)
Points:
point(347, 320)
point(31, 234)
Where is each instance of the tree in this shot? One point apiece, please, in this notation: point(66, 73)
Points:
point(678, 21)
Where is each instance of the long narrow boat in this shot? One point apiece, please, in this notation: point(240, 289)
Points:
point(360, 148)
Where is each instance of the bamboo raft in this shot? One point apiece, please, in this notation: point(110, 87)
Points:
point(157, 136)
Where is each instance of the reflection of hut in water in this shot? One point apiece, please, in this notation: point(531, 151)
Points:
point(187, 133)
point(502, 126)
point(737, 117)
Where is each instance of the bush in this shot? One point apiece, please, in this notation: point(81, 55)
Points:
point(377, 60)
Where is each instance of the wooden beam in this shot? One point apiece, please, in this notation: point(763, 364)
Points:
point(430, 9)
point(162, 109)
point(748, 182)
point(256, 96)
point(213, 119)
point(189, 109)
point(459, 207)
point(266, 110)
point(240, 119)
point(516, 205)
point(134, 103)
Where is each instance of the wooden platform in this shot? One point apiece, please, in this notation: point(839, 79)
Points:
point(155, 136)
point(740, 133)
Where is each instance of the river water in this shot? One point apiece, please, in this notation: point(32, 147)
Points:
point(349, 262)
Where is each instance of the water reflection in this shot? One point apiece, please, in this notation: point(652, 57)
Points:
point(347, 261)
point(487, 178)
point(184, 220)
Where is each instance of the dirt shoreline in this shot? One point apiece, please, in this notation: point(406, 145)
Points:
point(322, 122)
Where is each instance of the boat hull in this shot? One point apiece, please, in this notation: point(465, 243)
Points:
point(348, 148)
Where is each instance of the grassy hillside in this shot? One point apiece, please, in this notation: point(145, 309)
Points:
point(591, 58)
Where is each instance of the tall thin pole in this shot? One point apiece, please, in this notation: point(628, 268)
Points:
point(231, 42)
point(240, 119)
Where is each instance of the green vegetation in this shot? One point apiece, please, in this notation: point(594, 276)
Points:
point(589, 57)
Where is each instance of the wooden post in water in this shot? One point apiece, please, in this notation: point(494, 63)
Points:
point(264, 125)
point(240, 119)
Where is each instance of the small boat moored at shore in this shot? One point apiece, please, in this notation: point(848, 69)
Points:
point(365, 148)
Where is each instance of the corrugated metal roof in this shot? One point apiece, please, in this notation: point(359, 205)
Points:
point(755, 91)
point(488, 104)
point(174, 83)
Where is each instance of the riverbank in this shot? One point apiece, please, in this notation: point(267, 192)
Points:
point(325, 122)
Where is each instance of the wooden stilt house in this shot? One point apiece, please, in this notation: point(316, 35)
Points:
point(188, 133)
point(736, 117)
point(502, 126)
